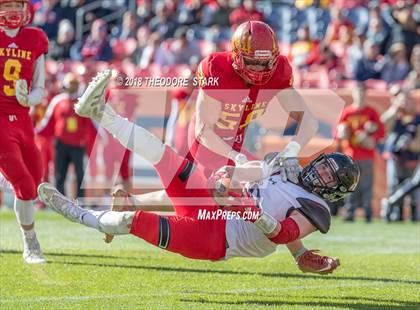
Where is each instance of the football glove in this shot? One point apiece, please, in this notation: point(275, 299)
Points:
point(238, 158)
point(22, 93)
point(287, 167)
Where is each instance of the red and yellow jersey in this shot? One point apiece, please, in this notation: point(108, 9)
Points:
point(62, 122)
point(18, 58)
point(356, 120)
point(241, 103)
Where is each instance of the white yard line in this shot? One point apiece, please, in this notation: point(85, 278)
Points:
point(241, 291)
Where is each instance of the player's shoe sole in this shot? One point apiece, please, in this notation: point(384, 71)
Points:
point(49, 195)
point(92, 102)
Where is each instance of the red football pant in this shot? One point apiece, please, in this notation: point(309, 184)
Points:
point(192, 238)
point(20, 160)
point(184, 233)
point(46, 149)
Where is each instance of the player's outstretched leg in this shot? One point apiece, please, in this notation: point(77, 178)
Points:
point(110, 222)
point(133, 137)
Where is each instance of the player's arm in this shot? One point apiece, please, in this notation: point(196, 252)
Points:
point(37, 93)
point(208, 113)
point(311, 216)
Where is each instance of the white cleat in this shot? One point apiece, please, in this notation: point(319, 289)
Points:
point(32, 253)
point(92, 103)
point(49, 195)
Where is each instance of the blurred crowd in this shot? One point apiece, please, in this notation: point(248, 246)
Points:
point(328, 42)
point(331, 44)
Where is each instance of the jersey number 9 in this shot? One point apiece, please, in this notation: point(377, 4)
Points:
point(11, 73)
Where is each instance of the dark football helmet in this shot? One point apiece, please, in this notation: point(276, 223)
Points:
point(331, 176)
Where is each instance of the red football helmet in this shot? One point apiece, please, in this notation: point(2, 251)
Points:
point(15, 19)
point(255, 43)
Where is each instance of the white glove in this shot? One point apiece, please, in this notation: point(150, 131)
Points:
point(22, 92)
point(285, 163)
point(238, 158)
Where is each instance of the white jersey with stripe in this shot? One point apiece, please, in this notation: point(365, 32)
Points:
point(277, 199)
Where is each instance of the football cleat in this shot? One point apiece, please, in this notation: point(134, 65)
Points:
point(49, 195)
point(32, 253)
point(311, 261)
point(92, 103)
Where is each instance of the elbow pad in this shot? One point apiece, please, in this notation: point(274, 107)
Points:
point(289, 232)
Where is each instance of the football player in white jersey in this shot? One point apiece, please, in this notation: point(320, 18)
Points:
point(257, 217)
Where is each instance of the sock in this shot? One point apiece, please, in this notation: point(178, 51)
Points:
point(133, 137)
point(91, 218)
point(116, 223)
point(299, 252)
point(25, 212)
point(27, 233)
point(110, 222)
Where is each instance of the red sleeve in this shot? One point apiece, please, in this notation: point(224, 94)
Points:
point(288, 72)
point(40, 41)
point(284, 74)
point(204, 71)
point(343, 117)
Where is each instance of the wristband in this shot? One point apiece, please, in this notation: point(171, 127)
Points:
point(266, 223)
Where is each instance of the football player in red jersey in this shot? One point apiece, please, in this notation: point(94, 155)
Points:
point(22, 83)
point(188, 188)
point(248, 78)
point(265, 213)
point(235, 89)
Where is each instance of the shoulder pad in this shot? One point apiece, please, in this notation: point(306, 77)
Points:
point(316, 213)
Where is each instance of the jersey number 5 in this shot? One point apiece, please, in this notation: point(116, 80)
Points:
point(11, 74)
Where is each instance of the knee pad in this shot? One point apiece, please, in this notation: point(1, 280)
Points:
point(116, 223)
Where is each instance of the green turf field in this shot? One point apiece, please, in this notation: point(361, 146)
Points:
point(380, 270)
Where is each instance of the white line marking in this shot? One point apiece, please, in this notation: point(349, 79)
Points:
point(118, 296)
